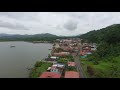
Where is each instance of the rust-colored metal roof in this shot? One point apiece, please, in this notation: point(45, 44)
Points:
point(50, 75)
point(71, 74)
point(82, 53)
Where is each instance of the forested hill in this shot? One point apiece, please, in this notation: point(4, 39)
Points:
point(36, 37)
point(110, 34)
point(17, 37)
point(105, 61)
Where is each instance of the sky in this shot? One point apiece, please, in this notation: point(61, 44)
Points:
point(58, 23)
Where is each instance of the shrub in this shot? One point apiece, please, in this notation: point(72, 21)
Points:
point(39, 68)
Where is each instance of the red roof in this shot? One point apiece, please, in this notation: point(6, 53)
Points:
point(50, 75)
point(82, 53)
point(71, 63)
point(61, 54)
point(71, 74)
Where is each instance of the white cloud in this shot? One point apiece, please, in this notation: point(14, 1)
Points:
point(54, 22)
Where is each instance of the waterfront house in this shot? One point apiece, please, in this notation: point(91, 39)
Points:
point(71, 74)
point(53, 57)
point(50, 75)
point(61, 54)
point(52, 60)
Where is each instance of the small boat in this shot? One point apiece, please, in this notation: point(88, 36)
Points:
point(12, 46)
point(29, 68)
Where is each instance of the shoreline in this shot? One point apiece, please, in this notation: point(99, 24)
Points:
point(29, 41)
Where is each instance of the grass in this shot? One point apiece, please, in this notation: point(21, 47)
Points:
point(39, 68)
point(71, 68)
point(104, 67)
point(84, 64)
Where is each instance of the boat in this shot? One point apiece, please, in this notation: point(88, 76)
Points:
point(12, 46)
point(29, 68)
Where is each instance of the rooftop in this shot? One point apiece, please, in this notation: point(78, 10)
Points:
point(71, 74)
point(50, 75)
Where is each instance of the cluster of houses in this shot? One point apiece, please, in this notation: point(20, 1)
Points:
point(62, 48)
point(87, 49)
point(57, 70)
point(66, 47)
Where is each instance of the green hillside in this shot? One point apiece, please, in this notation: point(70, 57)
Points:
point(105, 61)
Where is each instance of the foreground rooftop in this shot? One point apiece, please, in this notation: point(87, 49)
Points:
point(71, 74)
point(50, 75)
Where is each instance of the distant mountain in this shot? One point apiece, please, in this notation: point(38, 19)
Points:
point(39, 35)
point(3, 34)
point(45, 35)
point(17, 37)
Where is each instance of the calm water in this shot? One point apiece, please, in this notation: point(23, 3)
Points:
point(14, 61)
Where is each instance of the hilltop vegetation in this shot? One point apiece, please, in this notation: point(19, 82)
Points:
point(109, 34)
point(105, 61)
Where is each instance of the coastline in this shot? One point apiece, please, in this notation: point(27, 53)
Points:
point(30, 41)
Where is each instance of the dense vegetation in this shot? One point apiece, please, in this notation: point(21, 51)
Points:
point(71, 68)
point(65, 60)
point(36, 37)
point(105, 61)
point(39, 68)
point(109, 34)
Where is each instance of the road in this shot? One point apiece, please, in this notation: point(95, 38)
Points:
point(79, 67)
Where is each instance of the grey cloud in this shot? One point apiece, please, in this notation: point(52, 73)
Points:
point(21, 15)
point(71, 25)
point(16, 26)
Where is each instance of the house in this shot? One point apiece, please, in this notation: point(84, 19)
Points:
point(71, 64)
point(57, 68)
point(82, 53)
point(86, 48)
point(57, 45)
point(53, 57)
point(50, 75)
point(50, 59)
point(61, 54)
point(59, 65)
point(93, 48)
point(85, 44)
point(88, 53)
point(71, 74)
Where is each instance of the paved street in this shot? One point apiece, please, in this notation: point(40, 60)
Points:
point(78, 65)
point(79, 68)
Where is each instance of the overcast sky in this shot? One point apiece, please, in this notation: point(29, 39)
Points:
point(58, 23)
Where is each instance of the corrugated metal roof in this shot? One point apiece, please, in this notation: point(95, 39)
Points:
point(71, 74)
point(50, 75)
